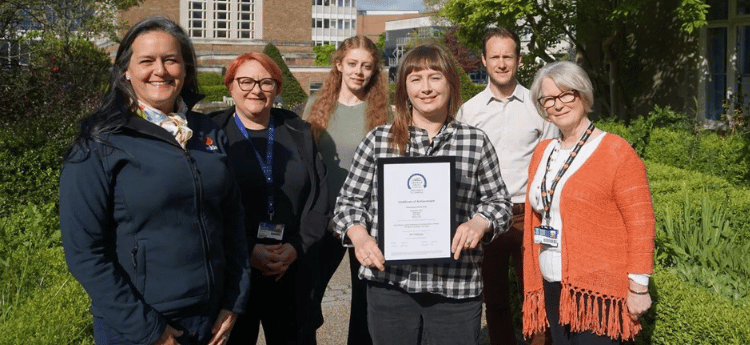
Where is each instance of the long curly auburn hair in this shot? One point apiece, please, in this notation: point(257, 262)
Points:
point(377, 112)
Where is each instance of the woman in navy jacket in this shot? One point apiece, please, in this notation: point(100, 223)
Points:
point(151, 219)
point(282, 180)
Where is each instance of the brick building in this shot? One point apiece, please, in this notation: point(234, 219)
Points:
point(222, 29)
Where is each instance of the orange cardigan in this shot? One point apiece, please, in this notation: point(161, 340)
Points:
point(608, 221)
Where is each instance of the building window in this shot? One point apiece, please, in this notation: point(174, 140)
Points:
point(726, 44)
point(717, 70)
point(223, 19)
point(245, 18)
point(315, 86)
point(197, 18)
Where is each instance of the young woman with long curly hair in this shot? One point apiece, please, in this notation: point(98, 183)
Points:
point(353, 101)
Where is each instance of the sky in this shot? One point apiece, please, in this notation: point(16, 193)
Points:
point(390, 5)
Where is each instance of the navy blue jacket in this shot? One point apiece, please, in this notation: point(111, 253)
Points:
point(315, 214)
point(150, 229)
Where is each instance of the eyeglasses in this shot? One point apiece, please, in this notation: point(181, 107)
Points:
point(565, 97)
point(247, 84)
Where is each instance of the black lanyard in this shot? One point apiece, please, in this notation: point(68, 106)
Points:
point(548, 194)
point(267, 165)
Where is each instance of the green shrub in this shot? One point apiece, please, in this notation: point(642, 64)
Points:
point(293, 94)
point(686, 314)
point(215, 93)
point(40, 302)
point(42, 105)
point(672, 138)
point(323, 54)
point(703, 249)
point(669, 187)
point(707, 152)
point(29, 171)
point(210, 79)
point(49, 306)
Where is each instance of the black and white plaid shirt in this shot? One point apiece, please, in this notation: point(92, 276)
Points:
point(480, 190)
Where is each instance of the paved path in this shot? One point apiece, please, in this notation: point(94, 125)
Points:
point(336, 310)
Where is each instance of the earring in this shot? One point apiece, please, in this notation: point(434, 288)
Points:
point(127, 79)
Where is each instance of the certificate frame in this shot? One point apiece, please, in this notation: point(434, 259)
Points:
point(407, 175)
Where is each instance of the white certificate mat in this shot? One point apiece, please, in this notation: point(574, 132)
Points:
point(416, 197)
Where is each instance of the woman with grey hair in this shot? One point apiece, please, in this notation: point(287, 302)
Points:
point(589, 230)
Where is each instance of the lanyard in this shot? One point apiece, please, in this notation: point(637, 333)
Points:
point(267, 165)
point(548, 194)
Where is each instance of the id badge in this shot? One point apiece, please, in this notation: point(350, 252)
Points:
point(546, 235)
point(271, 230)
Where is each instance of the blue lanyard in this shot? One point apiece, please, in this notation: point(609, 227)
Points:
point(267, 165)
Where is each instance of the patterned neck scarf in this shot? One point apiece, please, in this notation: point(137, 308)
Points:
point(175, 123)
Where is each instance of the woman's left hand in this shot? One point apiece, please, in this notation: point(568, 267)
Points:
point(222, 327)
point(638, 304)
point(283, 258)
point(468, 235)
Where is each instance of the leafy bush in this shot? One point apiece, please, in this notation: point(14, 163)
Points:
point(671, 138)
point(704, 250)
point(323, 54)
point(215, 93)
point(293, 94)
point(47, 305)
point(671, 187)
point(40, 302)
point(706, 152)
point(685, 314)
point(210, 79)
point(42, 105)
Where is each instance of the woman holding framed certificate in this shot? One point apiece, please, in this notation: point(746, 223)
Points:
point(440, 297)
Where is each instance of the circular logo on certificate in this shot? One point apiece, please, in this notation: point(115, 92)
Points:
point(417, 181)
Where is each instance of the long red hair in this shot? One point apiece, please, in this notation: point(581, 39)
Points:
point(377, 112)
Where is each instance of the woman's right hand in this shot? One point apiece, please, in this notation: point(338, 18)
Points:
point(365, 248)
point(168, 337)
point(262, 257)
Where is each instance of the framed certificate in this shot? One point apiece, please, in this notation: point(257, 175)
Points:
point(416, 208)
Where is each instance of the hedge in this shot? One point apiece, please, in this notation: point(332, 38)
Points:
point(670, 186)
point(215, 93)
point(686, 314)
point(705, 151)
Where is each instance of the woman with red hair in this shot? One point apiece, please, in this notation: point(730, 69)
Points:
point(284, 193)
point(353, 101)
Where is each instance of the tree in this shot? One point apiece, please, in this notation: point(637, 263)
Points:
point(66, 19)
point(323, 54)
point(293, 94)
point(469, 59)
point(602, 32)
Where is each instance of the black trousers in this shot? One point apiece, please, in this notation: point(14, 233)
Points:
point(561, 334)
